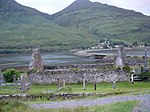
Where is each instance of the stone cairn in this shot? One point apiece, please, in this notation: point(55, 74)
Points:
point(36, 61)
point(121, 57)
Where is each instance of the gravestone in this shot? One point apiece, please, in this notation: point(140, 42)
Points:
point(95, 85)
point(23, 84)
point(64, 83)
point(59, 83)
point(132, 75)
point(14, 80)
point(145, 58)
point(145, 69)
point(36, 61)
point(1, 78)
point(83, 84)
point(121, 57)
point(114, 84)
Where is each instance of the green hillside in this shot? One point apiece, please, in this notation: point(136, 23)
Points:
point(80, 25)
point(105, 21)
point(24, 28)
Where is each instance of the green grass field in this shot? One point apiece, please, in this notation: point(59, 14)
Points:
point(77, 88)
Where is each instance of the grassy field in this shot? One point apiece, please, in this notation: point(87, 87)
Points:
point(22, 106)
point(17, 106)
point(141, 87)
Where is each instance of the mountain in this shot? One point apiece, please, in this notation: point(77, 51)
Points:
point(22, 28)
point(105, 21)
point(82, 24)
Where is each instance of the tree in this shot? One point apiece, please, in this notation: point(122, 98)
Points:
point(9, 74)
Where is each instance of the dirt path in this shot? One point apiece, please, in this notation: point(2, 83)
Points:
point(143, 107)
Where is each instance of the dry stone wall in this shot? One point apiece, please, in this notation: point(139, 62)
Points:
point(76, 75)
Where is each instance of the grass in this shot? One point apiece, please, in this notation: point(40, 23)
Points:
point(16, 106)
point(77, 88)
point(116, 107)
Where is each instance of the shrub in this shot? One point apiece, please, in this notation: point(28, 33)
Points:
point(8, 74)
point(126, 68)
point(145, 75)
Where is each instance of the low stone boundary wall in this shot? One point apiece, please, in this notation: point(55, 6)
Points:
point(56, 96)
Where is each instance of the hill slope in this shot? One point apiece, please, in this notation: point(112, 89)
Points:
point(105, 21)
point(22, 27)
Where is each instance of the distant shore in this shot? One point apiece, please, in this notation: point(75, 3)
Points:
point(89, 53)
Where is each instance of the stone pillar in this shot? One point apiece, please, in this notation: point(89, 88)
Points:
point(121, 57)
point(114, 84)
point(14, 79)
point(23, 84)
point(95, 85)
point(83, 84)
point(36, 61)
point(64, 83)
point(1, 78)
point(145, 58)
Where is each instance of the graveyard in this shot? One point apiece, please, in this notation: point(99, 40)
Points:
point(65, 83)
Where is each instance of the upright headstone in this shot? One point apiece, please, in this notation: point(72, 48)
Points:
point(1, 78)
point(145, 68)
point(121, 57)
point(145, 58)
point(64, 83)
point(14, 79)
point(95, 85)
point(36, 61)
point(83, 84)
point(58, 83)
point(23, 84)
point(132, 77)
point(114, 84)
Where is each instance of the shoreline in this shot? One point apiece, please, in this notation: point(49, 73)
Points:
point(90, 53)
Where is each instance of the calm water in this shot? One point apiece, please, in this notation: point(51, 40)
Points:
point(58, 58)
point(48, 59)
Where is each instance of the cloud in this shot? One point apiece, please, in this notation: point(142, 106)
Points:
point(53, 6)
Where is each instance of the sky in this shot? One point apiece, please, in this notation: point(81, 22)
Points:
point(53, 6)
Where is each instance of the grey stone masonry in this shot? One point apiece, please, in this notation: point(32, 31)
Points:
point(77, 75)
point(36, 61)
point(121, 57)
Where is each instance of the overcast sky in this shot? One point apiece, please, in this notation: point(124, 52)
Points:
point(53, 6)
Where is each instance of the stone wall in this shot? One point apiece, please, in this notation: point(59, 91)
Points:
point(76, 75)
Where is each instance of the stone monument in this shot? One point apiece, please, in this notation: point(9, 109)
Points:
point(145, 58)
point(36, 61)
point(145, 62)
point(64, 83)
point(14, 79)
point(24, 85)
point(121, 57)
point(83, 84)
point(1, 78)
